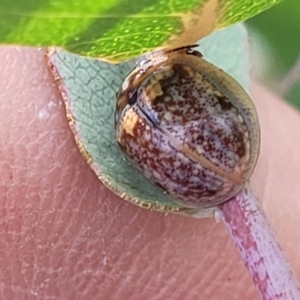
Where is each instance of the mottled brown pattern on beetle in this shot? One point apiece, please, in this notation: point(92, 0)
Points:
point(224, 103)
point(199, 117)
point(172, 172)
point(187, 107)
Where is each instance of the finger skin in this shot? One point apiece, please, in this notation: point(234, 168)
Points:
point(65, 236)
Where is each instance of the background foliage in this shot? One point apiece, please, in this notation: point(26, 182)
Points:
point(278, 30)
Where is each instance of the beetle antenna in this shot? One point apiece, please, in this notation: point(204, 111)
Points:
point(182, 48)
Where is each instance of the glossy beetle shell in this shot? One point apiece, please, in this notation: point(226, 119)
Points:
point(188, 126)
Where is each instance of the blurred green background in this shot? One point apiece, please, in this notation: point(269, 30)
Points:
point(275, 49)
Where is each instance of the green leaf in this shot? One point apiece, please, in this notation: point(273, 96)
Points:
point(119, 29)
point(89, 87)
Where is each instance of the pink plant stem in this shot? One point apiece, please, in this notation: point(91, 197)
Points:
point(258, 248)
